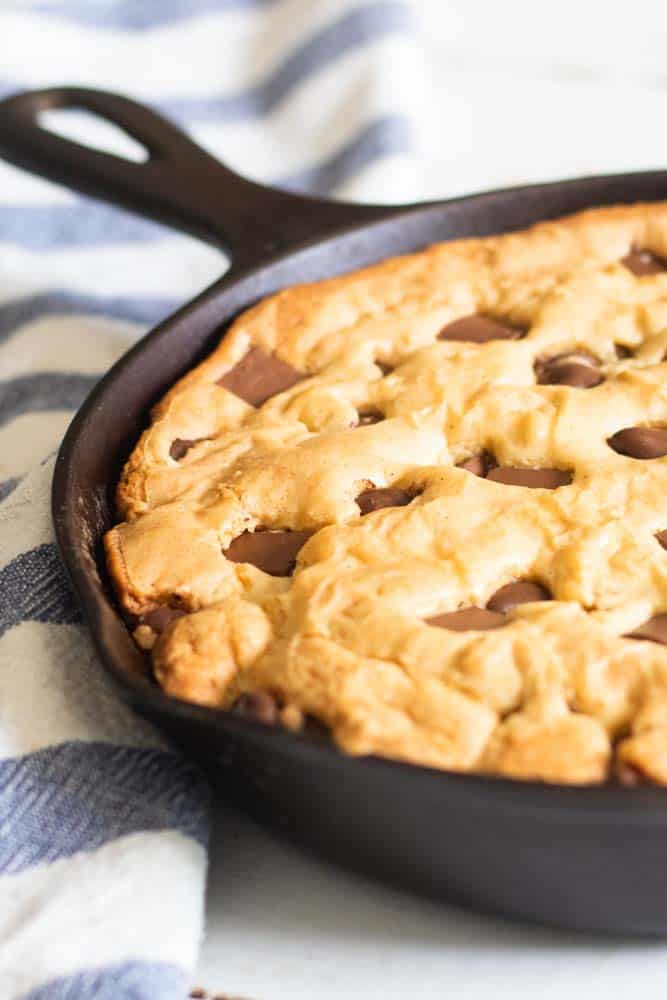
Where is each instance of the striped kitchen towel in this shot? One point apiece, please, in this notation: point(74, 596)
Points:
point(103, 827)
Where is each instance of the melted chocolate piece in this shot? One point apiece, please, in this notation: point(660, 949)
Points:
point(640, 442)
point(643, 262)
point(468, 620)
point(274, 552)
point(260, 706)
point(159, 618)
point(367, 417)
point(513, 594)
point(181, 446)
point(622, 351)
point(579, 371)
point(258, 376)
point(545, 479)
point(662, 538)
point(484, 465)
point(655, 629)
point(376, 499)
point(479, 465)
point(476, 329)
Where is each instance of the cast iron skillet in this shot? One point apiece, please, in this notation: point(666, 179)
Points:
point(593, 858)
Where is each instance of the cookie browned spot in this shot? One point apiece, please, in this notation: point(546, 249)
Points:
point(578, 370)
point(159, 618)
point(274, 552)
point(622, 351)
point(479, 465)
point(384, 367)
point(545, 479)
point(643, 262)
point(477, 329)
point(369, 416)
point(468, 620)
point(258, 376)
point(257, 705)
point(654, 629)
point(640, 442)
point(662, 538)
point(181, 446)
point(513, 594)
point(376, 499)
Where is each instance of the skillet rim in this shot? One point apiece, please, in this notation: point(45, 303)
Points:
point(570, 803)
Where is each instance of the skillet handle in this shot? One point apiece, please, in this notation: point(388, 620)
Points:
point(179, 184)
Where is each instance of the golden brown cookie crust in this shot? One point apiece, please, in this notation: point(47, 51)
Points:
point(558, 692)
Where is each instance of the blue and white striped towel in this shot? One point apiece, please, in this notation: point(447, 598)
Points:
point(102, 827)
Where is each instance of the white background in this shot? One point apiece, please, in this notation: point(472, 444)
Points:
point(535, 91)
point(512, 92)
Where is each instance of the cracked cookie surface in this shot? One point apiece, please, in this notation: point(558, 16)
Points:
point(423, 503)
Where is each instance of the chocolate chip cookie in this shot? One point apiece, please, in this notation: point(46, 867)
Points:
point(424, 505)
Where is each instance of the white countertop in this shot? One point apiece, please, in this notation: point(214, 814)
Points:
point(285, 926)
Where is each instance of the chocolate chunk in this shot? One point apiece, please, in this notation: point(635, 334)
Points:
point(257, 705)
point(468, 620)
point(274, 552)
point(478, 329)
point(577, 370)
point(258, 376)
point(367, 417)
point(484, 465)
point(662, 538)
point(654, 629)
point(578, 376)
point(643, 262)
point(479, 465)
point(546, 479)
point(622, 351)
point(376, 499)
point(640, 442)
point(512, 594)
point(181, 446)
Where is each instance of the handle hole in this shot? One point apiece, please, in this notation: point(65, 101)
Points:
point(90, 130)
